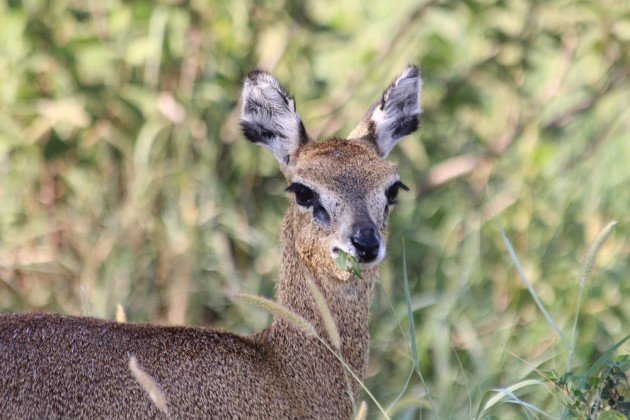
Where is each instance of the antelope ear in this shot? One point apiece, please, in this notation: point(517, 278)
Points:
point(394, 115)
point(269, 118)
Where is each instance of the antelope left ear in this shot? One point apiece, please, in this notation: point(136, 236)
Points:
point(270, 119)
point(394, 115)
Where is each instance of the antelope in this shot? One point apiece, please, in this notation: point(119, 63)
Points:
point(341, 193)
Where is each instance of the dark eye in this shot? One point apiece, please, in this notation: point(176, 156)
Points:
point(304, 196)
point(392, 192)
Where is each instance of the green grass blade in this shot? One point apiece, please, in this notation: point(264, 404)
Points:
point(587, 268)
point(299, 322)
point(513, 399)
point(412, 331)
point(507, 395)
point(402, 391)
point(354, 375)
point(530, 287)
point(603, 358)
point(391, 308)
point(461, 369)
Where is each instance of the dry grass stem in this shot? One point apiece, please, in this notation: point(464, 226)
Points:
point(279, 310)
point(324, 311)
point(120, 314)
point(149, 385)
point(362, 413)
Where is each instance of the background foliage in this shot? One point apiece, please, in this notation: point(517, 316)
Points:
point(124, 178)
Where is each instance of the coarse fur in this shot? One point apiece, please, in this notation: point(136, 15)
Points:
point(55, 366)
point(269, 117)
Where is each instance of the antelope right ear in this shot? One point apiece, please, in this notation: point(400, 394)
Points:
point(269, 118)
point(394, 115)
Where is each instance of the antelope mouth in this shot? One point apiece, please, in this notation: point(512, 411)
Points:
point(351, 255)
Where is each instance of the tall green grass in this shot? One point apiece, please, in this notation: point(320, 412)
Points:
point(124, 179)
point(515, 394)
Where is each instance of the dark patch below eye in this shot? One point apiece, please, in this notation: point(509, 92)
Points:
point(306, 197)
point(320, 214)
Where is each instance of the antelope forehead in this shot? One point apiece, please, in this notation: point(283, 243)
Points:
point(343, 168)
point(340, 168)
point(335, 165)
point(349, 184)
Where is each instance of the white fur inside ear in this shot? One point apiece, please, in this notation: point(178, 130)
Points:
point(397, 114)
point(269, 116)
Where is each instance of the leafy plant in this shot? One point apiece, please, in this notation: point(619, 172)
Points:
point(591, 395)
point(348, 263)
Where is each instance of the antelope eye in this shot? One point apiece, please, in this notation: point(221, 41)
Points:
point(392, 192)
point(304, 196)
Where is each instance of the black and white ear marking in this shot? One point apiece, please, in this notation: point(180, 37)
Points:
point(269, 117)
point(395, 115)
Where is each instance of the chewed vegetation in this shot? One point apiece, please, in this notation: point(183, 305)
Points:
point(124, 180)
point(348, 263)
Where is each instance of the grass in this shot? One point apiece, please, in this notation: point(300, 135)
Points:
point(124, 179)
point(587, 268)
point(582, 395)
point(577, 397)
point(412, 335)
point(302, 324)
point(149, 385)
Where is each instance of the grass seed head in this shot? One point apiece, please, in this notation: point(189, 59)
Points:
point(279, 310)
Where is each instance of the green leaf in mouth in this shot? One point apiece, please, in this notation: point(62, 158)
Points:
point(348, 263)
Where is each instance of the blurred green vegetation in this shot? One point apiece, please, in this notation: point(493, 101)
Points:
point(124, 178)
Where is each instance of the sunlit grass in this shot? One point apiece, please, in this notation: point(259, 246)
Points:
point(124, 179)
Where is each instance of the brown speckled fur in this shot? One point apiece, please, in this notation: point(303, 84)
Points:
point(61, 366)
point(55, 366)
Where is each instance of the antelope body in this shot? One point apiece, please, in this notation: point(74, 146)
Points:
point(55, 366)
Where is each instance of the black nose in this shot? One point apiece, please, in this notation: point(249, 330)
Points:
point(366, 241)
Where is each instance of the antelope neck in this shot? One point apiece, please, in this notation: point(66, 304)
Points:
point(349, 301)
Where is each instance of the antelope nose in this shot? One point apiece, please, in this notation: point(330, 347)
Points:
point(366, 241)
